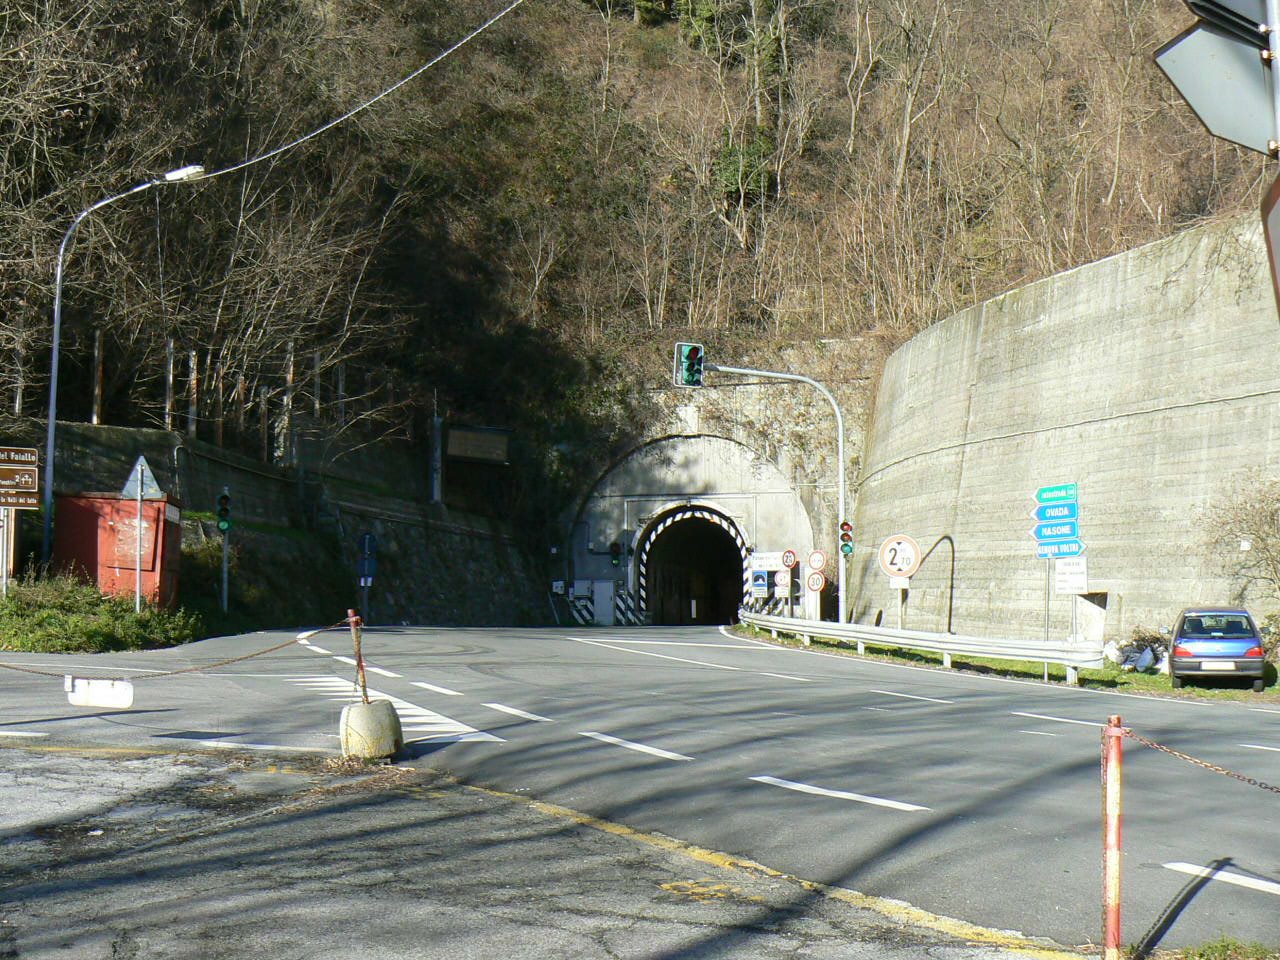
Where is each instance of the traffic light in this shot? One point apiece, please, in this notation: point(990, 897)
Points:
point(224, 511)
point(615, 553)
point(846, 537)
point(687, 370)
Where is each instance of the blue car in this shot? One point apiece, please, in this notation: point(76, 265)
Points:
point(1216, 642)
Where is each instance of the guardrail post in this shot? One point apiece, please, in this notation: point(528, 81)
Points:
point(1073, 675)
point(1112, 763)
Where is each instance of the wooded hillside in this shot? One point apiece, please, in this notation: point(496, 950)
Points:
point(521, 232)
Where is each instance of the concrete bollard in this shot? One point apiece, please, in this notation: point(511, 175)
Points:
point(370, 730)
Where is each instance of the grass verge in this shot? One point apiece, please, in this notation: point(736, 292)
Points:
point(65, 615)
point(1224, 948)
point(1110, 677)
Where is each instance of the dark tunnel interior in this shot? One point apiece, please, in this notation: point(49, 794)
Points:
point(695, 574)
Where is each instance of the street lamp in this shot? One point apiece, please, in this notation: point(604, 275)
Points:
point(192, 172)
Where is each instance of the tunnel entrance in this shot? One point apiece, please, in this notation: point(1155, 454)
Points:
point(694, 574)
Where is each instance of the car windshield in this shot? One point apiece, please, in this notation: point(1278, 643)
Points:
point(1209, 626)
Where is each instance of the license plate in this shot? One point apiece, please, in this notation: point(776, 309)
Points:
point(1217, 665)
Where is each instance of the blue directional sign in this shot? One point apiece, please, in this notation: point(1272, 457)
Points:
point(1069, 510)
point(1057, 530)
point(1059, 548)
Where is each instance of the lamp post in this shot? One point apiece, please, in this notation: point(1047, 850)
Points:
point(192, 172)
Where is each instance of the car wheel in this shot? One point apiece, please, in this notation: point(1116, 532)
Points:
point(1259, 685)
point(1176, 680)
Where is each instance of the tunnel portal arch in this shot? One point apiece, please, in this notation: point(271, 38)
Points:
point(667, 486)
point(691, 567)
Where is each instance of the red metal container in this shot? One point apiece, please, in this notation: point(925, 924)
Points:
point(95, 536)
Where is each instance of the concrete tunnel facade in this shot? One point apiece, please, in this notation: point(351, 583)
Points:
point(672, 525)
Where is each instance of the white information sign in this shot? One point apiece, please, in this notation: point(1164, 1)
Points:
point(1070, 575)
point(899, 583)
point(767, 561)
point(899, 556)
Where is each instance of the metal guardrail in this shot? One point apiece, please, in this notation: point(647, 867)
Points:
point(1071, 656)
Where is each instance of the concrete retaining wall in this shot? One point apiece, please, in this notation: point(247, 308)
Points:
point(1150, 379)
point(434, 565)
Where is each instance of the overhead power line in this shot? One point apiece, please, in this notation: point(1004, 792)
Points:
point(371, 101)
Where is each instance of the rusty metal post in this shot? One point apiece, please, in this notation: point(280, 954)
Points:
point(1112, 763)
point(354, 619)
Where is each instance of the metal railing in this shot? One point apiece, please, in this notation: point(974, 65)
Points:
point(1071, 656)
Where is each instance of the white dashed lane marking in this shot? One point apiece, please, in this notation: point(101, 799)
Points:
point(1259, 746)
point(380, 671)
point(1252, 883)
point(518, 713)
point(434, 689)
point(648, 653)
point(21, 733)
point(839, 794)
point(1041, 716)
point(911, 696)
point(632, 745)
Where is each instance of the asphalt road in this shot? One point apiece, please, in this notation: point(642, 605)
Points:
point(126, 857)
point(969, 797)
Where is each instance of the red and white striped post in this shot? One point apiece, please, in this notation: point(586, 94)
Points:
point(354, 620)
point(1112, 762)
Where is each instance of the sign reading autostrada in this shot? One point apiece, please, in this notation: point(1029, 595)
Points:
point(19, 478)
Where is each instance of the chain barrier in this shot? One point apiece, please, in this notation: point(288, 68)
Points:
point(173, 673)
point(1200, 763)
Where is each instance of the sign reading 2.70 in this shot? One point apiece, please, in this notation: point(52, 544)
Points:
point(899, 556)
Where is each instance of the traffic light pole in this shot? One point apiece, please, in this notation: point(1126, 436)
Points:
point(1273, 47)
point(226, 535)
point(840, 484)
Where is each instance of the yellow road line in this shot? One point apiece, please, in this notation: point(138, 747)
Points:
point(895, 910)
point(93, 751)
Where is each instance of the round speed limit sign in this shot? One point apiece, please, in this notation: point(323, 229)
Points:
point(899, 556)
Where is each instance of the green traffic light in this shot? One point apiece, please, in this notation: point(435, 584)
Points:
point(690, 358)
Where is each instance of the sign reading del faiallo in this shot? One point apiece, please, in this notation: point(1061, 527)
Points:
point(19, 478)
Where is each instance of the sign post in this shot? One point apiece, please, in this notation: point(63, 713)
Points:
point(1057, 532)
point(141, 485)
point(19, 486)
point(368, 567)
point(899, 559)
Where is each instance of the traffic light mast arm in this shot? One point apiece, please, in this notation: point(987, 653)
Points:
point(840, 484)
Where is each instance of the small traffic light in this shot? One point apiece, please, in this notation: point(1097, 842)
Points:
point(846, 537)
point(687, 370)
point(224, 511)
point(615, 553)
